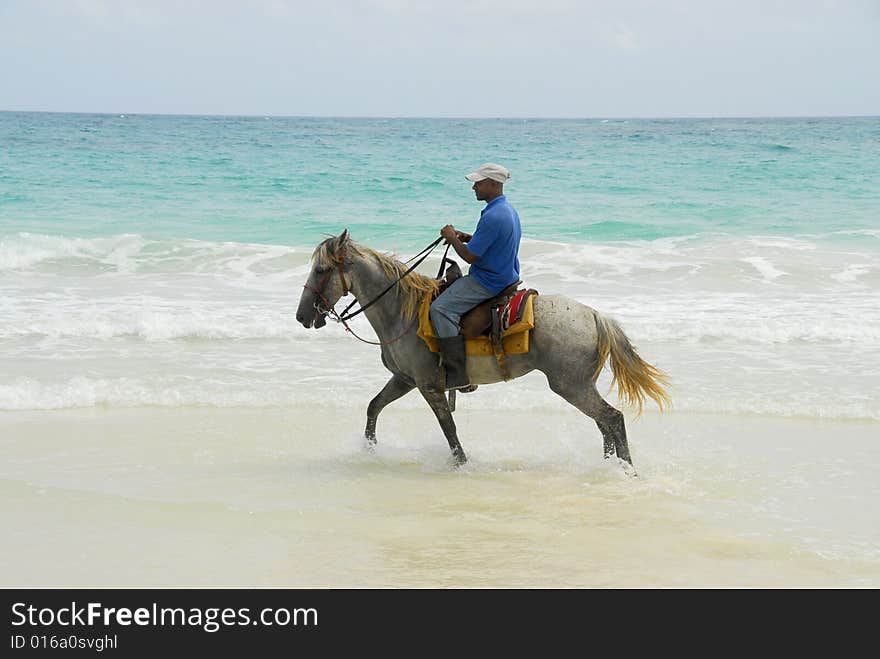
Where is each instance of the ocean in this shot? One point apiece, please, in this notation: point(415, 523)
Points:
point(162, 411)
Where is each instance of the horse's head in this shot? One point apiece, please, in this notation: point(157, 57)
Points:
point(326, 282)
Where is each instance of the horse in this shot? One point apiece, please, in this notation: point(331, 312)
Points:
point(570, 344)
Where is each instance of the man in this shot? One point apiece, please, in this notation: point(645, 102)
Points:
point(493, 254)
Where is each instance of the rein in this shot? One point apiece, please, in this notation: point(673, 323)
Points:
point(346, 316)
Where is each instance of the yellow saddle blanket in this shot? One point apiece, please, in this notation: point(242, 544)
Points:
point(515, 338)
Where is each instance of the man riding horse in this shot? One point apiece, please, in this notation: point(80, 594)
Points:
point(493, 254)
point(569, 343)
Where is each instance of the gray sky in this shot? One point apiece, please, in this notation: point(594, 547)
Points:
point(478, 58)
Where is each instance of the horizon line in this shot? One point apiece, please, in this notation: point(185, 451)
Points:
point(444, 117)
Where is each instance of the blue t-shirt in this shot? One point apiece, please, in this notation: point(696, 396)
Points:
point(496, 243)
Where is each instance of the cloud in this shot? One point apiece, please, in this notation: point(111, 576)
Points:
point(622, 38)
point(108, 14)
point(449, 57)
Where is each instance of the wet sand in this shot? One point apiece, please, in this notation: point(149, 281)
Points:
point(286, 497)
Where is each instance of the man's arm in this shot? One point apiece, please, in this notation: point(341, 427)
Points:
point(457, 240)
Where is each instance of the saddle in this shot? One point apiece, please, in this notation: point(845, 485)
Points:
point(477, 321)
point(498, 326)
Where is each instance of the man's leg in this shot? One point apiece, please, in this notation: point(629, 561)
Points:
point(461, 296)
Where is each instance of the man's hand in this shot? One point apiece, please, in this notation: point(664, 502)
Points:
point(449, 232)
point(457, 240)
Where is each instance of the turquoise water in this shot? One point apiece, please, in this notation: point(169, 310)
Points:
point(153, 377)
point(394, 182)
point(157, 260)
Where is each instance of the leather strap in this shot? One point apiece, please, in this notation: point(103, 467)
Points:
point(498, 346)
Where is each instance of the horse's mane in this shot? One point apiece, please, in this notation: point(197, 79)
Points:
point(410, 290)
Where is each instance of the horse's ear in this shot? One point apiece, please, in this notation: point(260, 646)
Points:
point(338, 244)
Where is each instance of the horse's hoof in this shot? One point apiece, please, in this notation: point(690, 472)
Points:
point(628, 468)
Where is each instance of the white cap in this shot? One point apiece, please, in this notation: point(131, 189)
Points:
point(489, 170)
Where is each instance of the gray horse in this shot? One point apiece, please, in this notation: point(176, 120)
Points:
point(569, 343)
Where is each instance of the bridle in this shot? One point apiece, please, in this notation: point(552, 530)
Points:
point(328, 309)
point(319, 290)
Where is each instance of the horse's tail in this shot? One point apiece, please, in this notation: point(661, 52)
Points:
point(635, 377)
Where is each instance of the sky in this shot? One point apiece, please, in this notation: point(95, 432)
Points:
point(443, 58)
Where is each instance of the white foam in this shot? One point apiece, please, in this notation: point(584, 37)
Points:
point(158, 321)
point(125, 321)
point(80, 391)
point(793, 409)
point(778, 242)
point(127, 253)
point(764, 267)
point(348, 391)
point(25, 250)
point(852, 273)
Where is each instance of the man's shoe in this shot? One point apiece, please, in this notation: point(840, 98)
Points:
point(453, 358)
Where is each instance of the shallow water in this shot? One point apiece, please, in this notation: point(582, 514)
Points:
point(172, 497)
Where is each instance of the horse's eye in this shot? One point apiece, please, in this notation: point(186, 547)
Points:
point(320, 270)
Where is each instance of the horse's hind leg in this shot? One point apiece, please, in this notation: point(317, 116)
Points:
point(608, 419)
point(608, 446)
point(396, 387)
point(614, 425)
point(437, 400)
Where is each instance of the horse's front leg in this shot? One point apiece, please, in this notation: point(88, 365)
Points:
point(437, 400)
point(396, 387)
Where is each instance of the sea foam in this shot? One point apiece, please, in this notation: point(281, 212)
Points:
point(129, 320)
